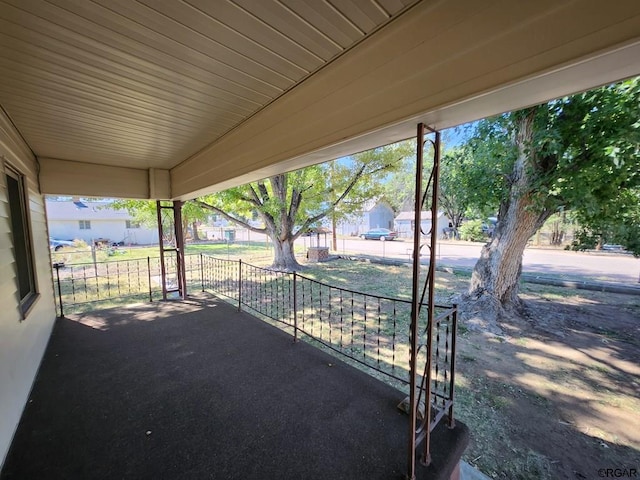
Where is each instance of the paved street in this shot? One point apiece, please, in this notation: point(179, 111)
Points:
point(605, 266)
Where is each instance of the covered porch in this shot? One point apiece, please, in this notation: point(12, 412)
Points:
point(170, 101)
point(197, 389)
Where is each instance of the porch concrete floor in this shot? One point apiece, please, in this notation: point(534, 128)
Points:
point(196, 389)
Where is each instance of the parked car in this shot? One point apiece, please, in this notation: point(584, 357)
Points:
point(379, 234)
point(489, 227)
point(55, 244)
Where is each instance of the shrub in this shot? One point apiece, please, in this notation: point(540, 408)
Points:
point(80, 244)
point(471, 231)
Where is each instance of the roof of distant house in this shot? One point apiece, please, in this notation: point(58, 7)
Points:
point(424, 215)
point(371, 204)
point(83, 210)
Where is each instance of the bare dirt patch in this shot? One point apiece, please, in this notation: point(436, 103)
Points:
point(558, 396)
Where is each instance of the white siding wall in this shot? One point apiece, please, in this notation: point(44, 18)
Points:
point(141, 236)
point(22, 342)
point(66, 230)
point(405, 231)
point(114, 230)
point(381, 216)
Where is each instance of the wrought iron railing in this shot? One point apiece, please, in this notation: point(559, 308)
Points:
point(85, 286)
point(363, 327)
point(371, 330)
point(220, 275)
point(442, 364)
point(267, 292)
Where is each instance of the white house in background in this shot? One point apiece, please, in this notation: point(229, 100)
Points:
point(374, 214)
point(88, 221)
point(404, 223)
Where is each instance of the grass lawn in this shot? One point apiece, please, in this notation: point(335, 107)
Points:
point(82, 254)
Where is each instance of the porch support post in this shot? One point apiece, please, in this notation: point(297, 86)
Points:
point(415, 306)
point(57, 267)
point(421, 390)
point(431, 306)
point(180, 266)
point(178, 248)
point(163, 270)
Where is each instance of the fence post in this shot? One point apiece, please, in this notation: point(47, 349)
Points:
point(295, 307)
point(202, 271)
point(240, 285)
point(57, 267)
point(149, 277)
point(94, 258)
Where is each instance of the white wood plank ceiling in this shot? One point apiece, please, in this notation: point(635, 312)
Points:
point(176, 98)
point(148, 83)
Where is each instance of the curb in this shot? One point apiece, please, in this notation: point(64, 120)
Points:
point(583, 285)
point(525, 277)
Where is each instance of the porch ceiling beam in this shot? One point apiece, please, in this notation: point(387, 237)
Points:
point(64, 177)
point(444, 63)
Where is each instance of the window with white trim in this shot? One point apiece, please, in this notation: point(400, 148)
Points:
point(85, 224)
point(21, 236)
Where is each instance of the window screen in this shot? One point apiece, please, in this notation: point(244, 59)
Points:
point(21, 239)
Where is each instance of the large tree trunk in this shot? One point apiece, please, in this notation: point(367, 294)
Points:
point(497, 272)
point(334, 237)
point(194, 229)
point(495, 280)
point(557, 231)
point(284, 258)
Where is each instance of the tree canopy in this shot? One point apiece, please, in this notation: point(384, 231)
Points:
point(587, 160)
point(579, 153)
point(285, 206)
point(288, 204)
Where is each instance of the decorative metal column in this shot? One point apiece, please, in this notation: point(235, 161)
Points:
point(421, 330)
point(171, 239)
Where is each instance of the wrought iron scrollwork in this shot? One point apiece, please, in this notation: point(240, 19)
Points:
point(432, 333)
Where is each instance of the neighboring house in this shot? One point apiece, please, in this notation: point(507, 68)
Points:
point(374, 214)
point(404, 223)
point(88, 221)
